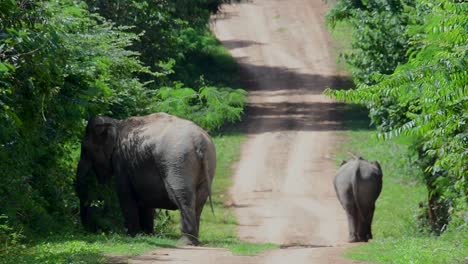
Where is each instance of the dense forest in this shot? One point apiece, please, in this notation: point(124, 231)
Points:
point(409, 62)
point(64, 61)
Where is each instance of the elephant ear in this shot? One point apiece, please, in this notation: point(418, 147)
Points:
point(377, 165)
point(105, 135)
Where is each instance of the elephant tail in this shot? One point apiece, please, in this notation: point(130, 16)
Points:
point(207, 172)
point(355, 187)
point(207, 175)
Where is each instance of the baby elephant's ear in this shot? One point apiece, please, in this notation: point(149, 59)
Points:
point(377, 164)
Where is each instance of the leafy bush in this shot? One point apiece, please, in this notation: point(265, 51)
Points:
point(379, 43)
point(180, 58)
point(9, 239)
point(59, 65)
point(209, 108)
point(429, 93)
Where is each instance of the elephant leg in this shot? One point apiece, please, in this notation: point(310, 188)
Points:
point(353, 221)
point(128, 206)
point(147, 220)
point(189, 228)
point(370, 225)
point(366, 221)
point(132, 217)
point(200, 203)
point(369, 222)
point(362, 237)
point(181, 191)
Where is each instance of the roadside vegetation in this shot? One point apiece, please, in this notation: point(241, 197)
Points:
point(399, 227)
point(408, 61)
point(64, 61)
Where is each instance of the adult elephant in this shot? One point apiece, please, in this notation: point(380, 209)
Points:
point(358, 184)
point(158, 161)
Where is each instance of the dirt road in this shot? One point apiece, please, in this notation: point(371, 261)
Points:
point(282, 189)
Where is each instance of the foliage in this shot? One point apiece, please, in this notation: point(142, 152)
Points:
point(59, 64)
point(178, 57)
point(378, 44)
point(171, 33)
point(428, 97)
point(9, 239)
point(209, 107)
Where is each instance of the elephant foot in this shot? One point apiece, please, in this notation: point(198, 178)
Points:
point(353, 239)
point(132, 233)
point(148, 232)
point(188, 241)
point(363, 238)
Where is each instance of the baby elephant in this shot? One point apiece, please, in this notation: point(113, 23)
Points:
point(358, 183)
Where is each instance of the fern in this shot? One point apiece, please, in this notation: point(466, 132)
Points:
point(211, 107)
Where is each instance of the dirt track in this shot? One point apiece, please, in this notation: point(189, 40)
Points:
point(283, 183)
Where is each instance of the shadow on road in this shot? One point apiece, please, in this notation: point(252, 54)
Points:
point(282, 78)
point(236, 44)
point(295, 115)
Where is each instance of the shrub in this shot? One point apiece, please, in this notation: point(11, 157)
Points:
point(379, 43)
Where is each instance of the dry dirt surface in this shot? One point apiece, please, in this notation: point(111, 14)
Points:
point(283, 190)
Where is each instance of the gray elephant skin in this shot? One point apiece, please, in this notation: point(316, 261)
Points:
point(358, 184)
point(158, 161)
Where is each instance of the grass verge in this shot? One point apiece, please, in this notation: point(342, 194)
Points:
point(398, 235)
point(82, 248)
point(342, 33)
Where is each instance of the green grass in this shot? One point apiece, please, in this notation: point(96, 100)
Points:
point(249, 249)
point(398, 235)
point(448, 248)
point(82, 248)
point(342, 35)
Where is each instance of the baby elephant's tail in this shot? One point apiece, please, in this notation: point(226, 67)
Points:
point(356, 192)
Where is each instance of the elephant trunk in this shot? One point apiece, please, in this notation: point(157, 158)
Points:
point(81, 179)
point(82, 189)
